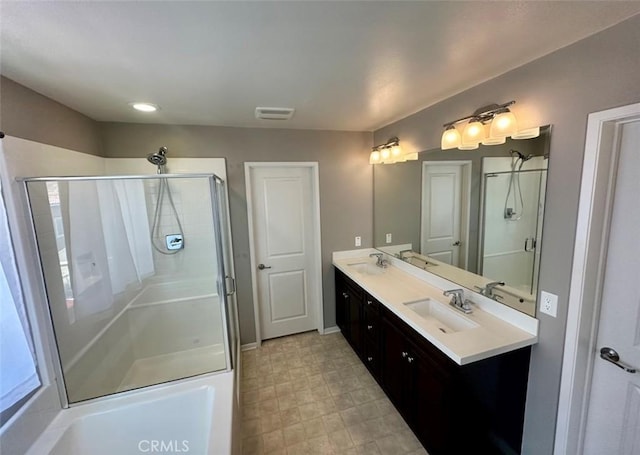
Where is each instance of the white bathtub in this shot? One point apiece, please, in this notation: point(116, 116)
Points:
point(189, 417)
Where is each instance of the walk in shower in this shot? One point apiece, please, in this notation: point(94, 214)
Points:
point(512, 217)
point(137, 275)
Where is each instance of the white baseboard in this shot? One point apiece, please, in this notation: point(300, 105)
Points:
point(248, 346)
point(329, 330)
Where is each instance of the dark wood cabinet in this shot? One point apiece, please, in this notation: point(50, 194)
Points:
point(452, 409)
point(349, 302)
point(424, 386)
point(371, 334)
point(342, 305)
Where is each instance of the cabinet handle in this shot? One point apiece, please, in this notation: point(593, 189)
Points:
point(369, 358)
point(369, 327)
point(345, 295)
point(410, 359)
point(369, 302)
point(404, 354)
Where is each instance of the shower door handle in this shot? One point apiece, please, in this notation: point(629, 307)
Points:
point(232, 287)
point(262, 266)
point(526, 244)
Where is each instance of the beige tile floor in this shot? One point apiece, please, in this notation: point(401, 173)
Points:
point(310, 394)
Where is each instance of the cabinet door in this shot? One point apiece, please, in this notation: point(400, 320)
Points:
point(355, 322)
point(433, 404)
point(342, 304)
point(395, 377)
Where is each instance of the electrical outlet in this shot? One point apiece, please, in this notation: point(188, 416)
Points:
point(358, 240)
point(549, 303)
point(388, 238)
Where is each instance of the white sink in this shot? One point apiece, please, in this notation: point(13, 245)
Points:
point(447, 319)
point(366, 268)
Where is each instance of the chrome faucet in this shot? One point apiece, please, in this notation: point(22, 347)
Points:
point(380, 262)
point(487, 290)
point(458, 301)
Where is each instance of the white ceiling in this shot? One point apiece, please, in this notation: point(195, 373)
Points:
point(342, 65)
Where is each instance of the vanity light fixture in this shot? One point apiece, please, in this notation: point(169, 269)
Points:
point(489, 125)
point(450, 138)
point(144, 107)
point(528, 133)
point(503, 124)
point(390, 152)
point(473, 133)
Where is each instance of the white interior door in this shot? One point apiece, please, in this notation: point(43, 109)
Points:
point(441, 211)
point(285, 249)
point(613, 418)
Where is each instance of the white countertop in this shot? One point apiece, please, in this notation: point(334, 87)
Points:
point(499, 329)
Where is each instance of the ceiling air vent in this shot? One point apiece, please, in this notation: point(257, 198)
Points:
point(274, 113)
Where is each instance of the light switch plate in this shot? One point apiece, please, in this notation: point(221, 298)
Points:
point(358, 240)
point(549, 303)
point(388, 238)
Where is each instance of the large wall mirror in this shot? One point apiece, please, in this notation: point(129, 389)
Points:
point(473, 217)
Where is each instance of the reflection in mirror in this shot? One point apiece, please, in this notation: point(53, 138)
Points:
point(472, 217)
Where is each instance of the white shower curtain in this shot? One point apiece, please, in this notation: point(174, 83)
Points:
point(123, 213)
point(109, 241)
point(18, 374)
point(133, 207)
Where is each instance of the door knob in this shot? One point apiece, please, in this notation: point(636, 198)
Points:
point(262, 266)
point(610, 355)
point(456, 243)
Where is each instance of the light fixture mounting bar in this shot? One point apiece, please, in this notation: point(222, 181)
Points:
point(483, 114)
point(390, 143)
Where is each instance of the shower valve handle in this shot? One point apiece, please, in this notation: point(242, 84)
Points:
point(262, 266)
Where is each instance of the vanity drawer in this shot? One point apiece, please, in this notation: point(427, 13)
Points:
point(370, 303)
point(371, 325)
point(371, 357)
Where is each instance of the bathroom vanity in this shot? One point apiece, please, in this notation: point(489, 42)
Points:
point(458, 380)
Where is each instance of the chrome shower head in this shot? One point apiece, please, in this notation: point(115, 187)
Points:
point(159, 158)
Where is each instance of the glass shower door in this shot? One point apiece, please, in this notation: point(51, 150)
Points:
point(134, 278)
point(512, 224)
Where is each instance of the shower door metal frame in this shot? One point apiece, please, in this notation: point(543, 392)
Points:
point(50, 329)
point(222, 273)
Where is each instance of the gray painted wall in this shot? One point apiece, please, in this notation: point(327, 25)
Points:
point(560, 89)
point(345, 185)
point(29, 115)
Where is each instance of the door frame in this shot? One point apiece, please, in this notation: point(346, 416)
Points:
point(465, 203)
point(587, 276)
point(317, 250)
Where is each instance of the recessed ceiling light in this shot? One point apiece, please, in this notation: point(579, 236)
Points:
point(144, 107)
